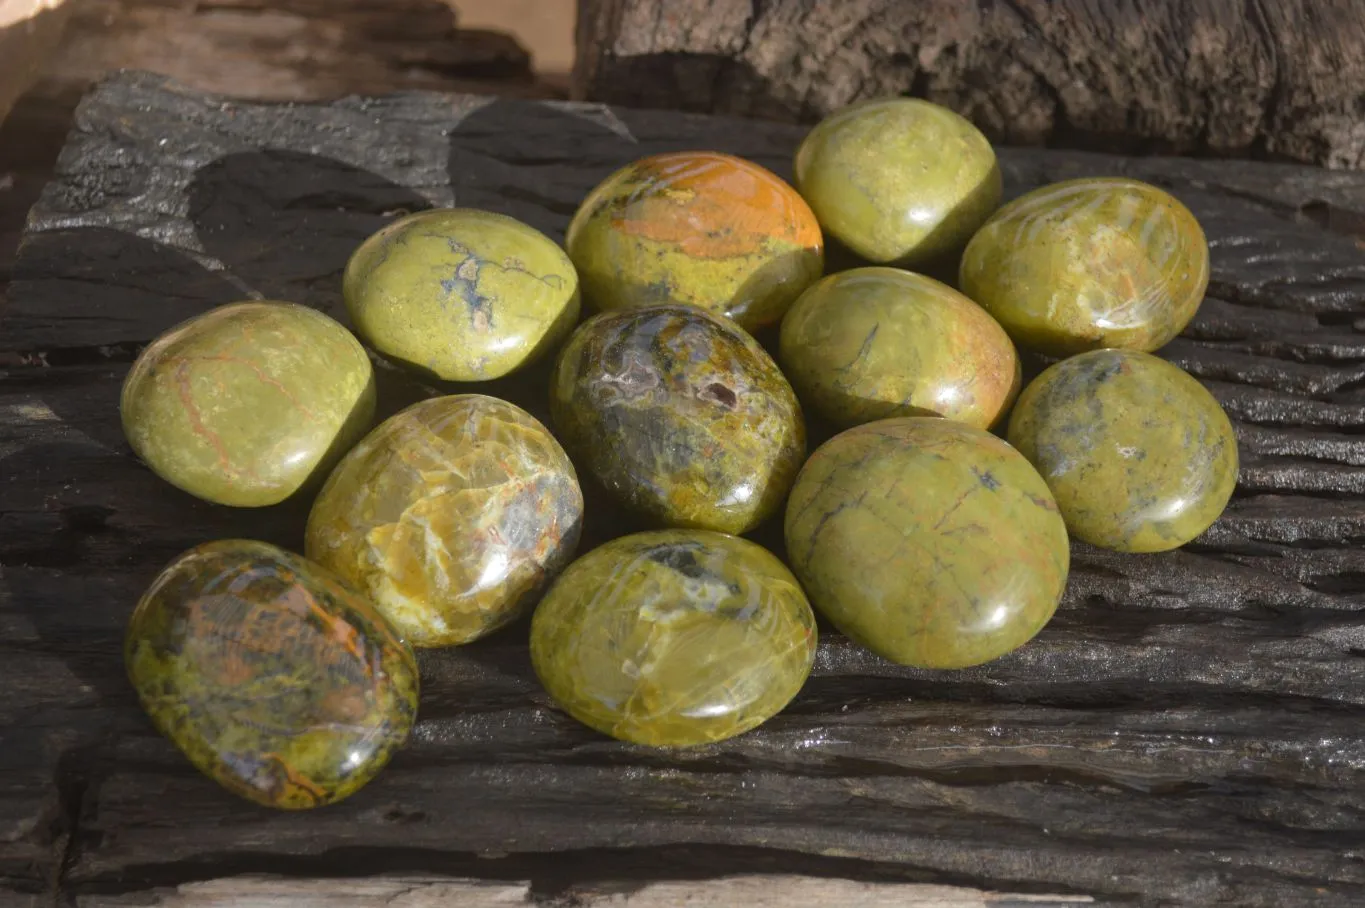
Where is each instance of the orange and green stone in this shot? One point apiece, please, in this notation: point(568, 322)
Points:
point(1088, 264)
point(463, 294)
point(702, 228)
point(899, 181)
point(930, 542)
point(244, 404)
point(873, 343)
point(274, 677)
point(680, 415)
point(1139, 455)
point(674, 638)
point(452, 516)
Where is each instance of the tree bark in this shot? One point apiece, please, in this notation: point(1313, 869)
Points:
point(1278, 79)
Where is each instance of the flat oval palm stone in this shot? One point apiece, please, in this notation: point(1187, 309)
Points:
point(703, 228)
point(680, 415)
point(674, 638)
point(930, 542)
point(275, 678)
point(899, 181)
point(244, 404)
point(1139, 455)
point(464, 294)
point(1089, 263)
point(451, 515)
point(873, 343)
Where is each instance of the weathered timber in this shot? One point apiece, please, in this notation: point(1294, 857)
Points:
point(1276, 78)
point(1189, 729)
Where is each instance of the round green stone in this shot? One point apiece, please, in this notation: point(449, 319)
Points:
point(674, 638)
point(899, 181)
point(696, 227)
point(680, 415)
point(1140, 456)
point(466, 295)
point(275, 678)
point(873, 343)
point(244, 404)
point(930, 542)
point(451, 516)
point(1087, 264)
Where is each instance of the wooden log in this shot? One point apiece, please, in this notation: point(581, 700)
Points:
point(1188, 729)
point(1268, 79)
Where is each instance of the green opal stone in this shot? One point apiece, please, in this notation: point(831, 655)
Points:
point(1087, 264)
point(674, 638)
point(897, 180)
point(275, 678)
point(463, 294)
point(930, 542)
point(1139, 455)
point(873, 343)
point(680, 415)
point(451, 516)
point(244, 404)
point(696, 227)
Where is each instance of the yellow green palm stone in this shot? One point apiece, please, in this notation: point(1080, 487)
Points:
point(271, 675)
point(674, 638)
point(899, 181)
point(873, 343)
point(464, 294)
point(1140, 456)
point(452, 516)
point(1089, 264)
point(928, 541)
point(245, 404)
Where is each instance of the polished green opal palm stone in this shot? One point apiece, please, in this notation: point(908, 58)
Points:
point(930, 542)
point(872, 343)
point(1140, 456)
point(451, 516)
point(244, 404)
point(899, 181)
point(674, 638)
point(680, 415)
point(464, 294)
point(703, 228)
point(1087, 264)
point(275, 678)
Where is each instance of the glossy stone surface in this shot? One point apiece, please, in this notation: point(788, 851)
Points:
point(930, 542)
point(674, 638)
point(1089, 263)
point(451, 516)
point(464, 294)
point(243, 404)
point(680, 415)
point(873, 343)
point(1139, 455)
point(702, 228)
point(275, 678)
point(899, 181)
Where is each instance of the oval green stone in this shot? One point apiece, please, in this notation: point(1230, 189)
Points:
point(275, 678)
point(674, 638)
point(1139, 455)
point(1087, 264)
point(873, 343)
point(680, 415)
point(451, 516)
point(466, 295)
point(899, 181)
point(930, 542)
point(244, 404)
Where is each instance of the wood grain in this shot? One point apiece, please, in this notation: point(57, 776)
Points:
point(1269, 78)
point(1188, 730)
